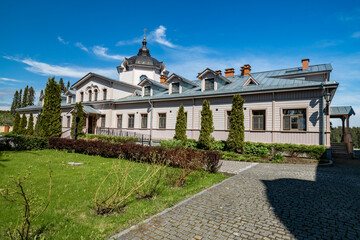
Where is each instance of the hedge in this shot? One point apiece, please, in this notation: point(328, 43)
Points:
point(108, 138)
point(175, 157)
point(17, 142)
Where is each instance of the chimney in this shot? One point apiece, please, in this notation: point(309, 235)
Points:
point(229, 72)
point(198, 76)
point(218, 72)
point(245, 70)
point(163, 79)
point(305, 63)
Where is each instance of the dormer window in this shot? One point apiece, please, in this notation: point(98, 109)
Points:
point(209, 84)
point(175, 88)
point(147, 91)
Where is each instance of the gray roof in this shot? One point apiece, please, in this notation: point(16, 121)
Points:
point(154, 83)
point(193, 83)
point(342, 110)
point(89, 109)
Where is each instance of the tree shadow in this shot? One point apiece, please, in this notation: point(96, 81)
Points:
point(327, 208)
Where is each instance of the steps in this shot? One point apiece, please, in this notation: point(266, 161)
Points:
point(339, 150)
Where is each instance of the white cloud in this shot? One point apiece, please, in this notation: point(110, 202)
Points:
point(46, 69)
point(81, 46)
point(9, 79)
point(356, 35)
point(102, 52)
point(159, 36)
point(62, 40)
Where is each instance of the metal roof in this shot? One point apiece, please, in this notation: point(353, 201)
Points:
point(88, 109)
point(153, 82)
point(342, 110)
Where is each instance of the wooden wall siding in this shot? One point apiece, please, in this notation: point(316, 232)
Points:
point(257, 98)
point(308, 94)
point(264, 137)
point(298, 138)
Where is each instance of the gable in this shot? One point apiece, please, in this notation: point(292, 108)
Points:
point(250, 81)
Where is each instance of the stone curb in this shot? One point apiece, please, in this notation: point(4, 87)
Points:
point(329, 164)
point(116, 236)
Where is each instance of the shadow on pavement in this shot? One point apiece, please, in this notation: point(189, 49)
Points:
point(327, 208)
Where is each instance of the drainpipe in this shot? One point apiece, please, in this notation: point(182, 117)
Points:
point(322, 129)
point(151, 120)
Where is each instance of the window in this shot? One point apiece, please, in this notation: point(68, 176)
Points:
point(147, 91)
point(90, 96)
point(119, 121)
point(131, 119)
point(144, 120)
point(294, 119)
point(68, 122)
point(175, 88)
point(228, 119)
point(81, 97)
point(95, 95)
point(258, 119)
point(102, 121)
point(209, 84)
point(162, 120)
point(69, 99)
point(186, 118)
point(104, 94)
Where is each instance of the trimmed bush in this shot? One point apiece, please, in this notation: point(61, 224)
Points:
point(175, 157)
point(256, 150)
point(235, 141)
point(180, 127)
point(21, 143)
point(207, 127)
point(109, 138)
point(219, 145)
point(172, 143)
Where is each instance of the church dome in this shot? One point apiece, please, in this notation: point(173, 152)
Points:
point(143, 58)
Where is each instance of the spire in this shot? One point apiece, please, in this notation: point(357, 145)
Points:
point(144, 51)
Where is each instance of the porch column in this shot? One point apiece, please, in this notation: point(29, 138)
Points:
point(87, 123)
point(343, 129)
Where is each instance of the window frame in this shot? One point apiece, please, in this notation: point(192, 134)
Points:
point(90, 95)
point(172, 88)
point(117, 121)
point(102, 121)
point(159, 118)
point(141, 120)
point(252, 115)
point(213, 84)
point(228, 119)
point(81, 96)
point(104, 94)
point(96, 92)
point(145, 88)
point(294, 116)
point(133, 121)
point(68, 121)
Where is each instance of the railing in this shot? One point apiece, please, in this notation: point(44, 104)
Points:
point(142, 138)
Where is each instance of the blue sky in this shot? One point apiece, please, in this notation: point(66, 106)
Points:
point(70, 38)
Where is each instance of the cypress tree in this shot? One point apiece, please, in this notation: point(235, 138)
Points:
point(180, 127)
point(14, 103)
point(31, 97)
point(50, 124)
point(30, 128)
point(62, 85)
point(236, 138)
point(18, 104)
point(68, 86)
point(23, 123)
point(37, 124)
point(207, 127)
point(25, 97)
point(81, 122)
point(16, 124)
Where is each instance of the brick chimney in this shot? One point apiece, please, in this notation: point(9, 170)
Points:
point(218, 72)
point(245, 70)
point(163, 79)
point(229, 72)
point(305, 63)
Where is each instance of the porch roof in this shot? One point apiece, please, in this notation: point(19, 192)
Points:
point(89, 109)
point(337, 111)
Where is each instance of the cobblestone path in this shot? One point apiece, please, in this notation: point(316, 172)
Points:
point(267, 201)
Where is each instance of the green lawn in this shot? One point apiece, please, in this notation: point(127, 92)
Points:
point(70, 214)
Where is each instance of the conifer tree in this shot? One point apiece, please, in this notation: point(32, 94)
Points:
point(14, 103)
point(41, 95)
point(236, 138)
point(50, 123)
point(31, 97)
point(23, 123)
point(207, 127)
point(37, 125)
point(16, 125)
point(30, 128)
point(62, 85)
point(68, 86)
point(25, 97)
point(18, 105)
point(81, 122)
point(180, 127)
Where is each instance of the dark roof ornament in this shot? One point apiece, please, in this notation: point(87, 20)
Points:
point(144, 51)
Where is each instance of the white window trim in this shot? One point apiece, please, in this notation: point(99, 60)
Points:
point(127, 118)
point(147, 122)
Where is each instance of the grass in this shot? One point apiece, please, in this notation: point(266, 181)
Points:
point(70, 214)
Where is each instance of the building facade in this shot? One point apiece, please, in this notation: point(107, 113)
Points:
point(281, 106)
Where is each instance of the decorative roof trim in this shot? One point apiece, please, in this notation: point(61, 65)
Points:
point(152, 82)
point(215, 73)
point(249, 80)
point(174, 75)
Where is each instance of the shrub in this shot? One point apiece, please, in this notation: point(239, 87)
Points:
point(20, 142)
point(207, 127)
point(16, 124)
point(180, 127)
point(191, 143)
point(79, 115)
point(219, 145)
point(277, 158)
point(256, 150)
point(235, 141)
point(171, 143)
point(175, 157)
point(109, 138)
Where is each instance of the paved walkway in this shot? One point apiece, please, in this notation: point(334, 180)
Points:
point(267, 201)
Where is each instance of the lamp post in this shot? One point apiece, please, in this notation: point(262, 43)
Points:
point(38, 120)
point(75, 122)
